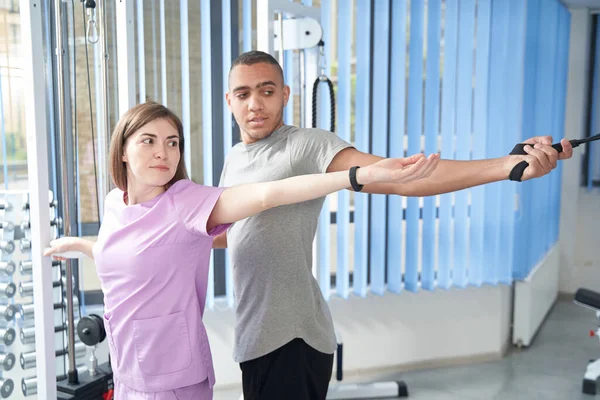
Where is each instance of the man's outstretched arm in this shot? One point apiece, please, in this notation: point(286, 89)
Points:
point(452, 175)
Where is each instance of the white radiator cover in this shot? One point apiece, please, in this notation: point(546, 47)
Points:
point(534, 297)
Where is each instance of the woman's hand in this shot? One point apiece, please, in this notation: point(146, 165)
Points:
point(398, 170)
point(63, 245)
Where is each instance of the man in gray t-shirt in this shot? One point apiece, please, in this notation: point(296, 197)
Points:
point(277, 297)
point(284, 336)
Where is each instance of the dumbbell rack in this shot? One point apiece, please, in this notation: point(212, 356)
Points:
point(17, 332)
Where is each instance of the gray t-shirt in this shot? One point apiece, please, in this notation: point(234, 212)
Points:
point(277, 297)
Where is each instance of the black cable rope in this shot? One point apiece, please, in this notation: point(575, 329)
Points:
point(87, 62)
point(323, 78)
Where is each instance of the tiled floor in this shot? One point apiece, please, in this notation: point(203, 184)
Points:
point(550, 369)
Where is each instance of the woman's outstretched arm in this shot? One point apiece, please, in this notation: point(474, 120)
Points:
point(69, 244)
point(242, 201)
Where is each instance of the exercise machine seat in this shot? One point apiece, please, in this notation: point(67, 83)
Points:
point(588, 298)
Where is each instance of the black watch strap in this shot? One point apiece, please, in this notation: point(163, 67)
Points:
point(355, 186)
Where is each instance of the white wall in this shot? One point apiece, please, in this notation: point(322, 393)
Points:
point(583, 268)
point(412, 330)
point(395, 332)
point(580, 210)
point(534, 298)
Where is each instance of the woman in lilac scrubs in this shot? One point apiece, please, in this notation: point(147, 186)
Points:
point(153, 250)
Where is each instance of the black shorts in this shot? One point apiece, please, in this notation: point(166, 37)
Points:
point(294, 371)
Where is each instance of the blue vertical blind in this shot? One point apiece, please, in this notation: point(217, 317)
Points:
point(410, 77)
point(323, 229)
point(396, 143)
point(414, 120)
point(362, 138)
point(447, 133)
point(432, 76)
point(464, 131)
point(543, 105)
point(431, 125)
point(477, 255)
point(379, 140)
point(344, 104)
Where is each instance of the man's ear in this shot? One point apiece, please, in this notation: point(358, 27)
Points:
point(286, 94)
point(228, 100)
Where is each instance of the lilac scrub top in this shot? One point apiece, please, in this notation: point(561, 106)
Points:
point(152, 260)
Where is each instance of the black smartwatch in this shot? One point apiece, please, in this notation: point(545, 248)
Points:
point(355, 186)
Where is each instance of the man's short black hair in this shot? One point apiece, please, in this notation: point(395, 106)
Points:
point(255, 57)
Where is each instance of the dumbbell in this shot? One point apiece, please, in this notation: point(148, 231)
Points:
point(5, 205)
point(7, 226)
point(56, 222)
point(7, 246)
point(25, 245)
point(29, 385)
point(28, 360)
point(7, 336)
point(6, 387)
point(52, 204)
point(26, 288)
point(26, 267)
point(8, 289)
point(7, 268)
point(9, 311)
point(27, 335)
point(7, 361)
point(27, 310)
